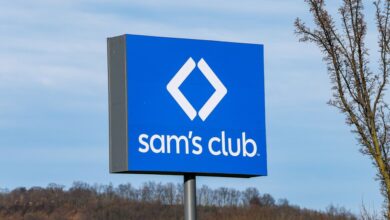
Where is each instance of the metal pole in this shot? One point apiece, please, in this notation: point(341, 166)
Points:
point(189, 197)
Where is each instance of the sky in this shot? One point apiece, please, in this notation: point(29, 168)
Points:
point(54, 95)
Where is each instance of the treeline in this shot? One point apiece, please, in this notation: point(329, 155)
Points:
point(149, 201)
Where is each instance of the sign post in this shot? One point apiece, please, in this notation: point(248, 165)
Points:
point(189, 197)
point(186, 107)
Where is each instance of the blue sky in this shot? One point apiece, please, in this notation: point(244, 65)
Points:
point(53, 95)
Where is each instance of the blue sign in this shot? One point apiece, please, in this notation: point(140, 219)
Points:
point(189, 106)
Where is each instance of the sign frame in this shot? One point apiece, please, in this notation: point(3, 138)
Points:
point(118, 112)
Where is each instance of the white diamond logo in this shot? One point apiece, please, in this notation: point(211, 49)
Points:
point(181, 76)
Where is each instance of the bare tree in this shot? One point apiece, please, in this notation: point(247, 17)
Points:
point(234, 197)
point(148, 201)
point(204, 197)
point(179, 194)
point(249, 195)
point(267, 200)
point(127, 191)
point(357, 90)
point(222, 196)
point(148, 192)
point(170, 191)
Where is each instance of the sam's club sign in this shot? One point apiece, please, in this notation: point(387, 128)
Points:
point(186, 106)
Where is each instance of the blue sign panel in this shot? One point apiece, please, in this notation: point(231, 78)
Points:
point(191, 106)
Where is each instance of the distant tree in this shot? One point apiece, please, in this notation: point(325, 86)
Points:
point(283, 202)
point(147, 192)
point(127, 191)
point(106, 202)
point(55, 187)
point(267, 200)
point(222, 196)
point(179, 194)
point(160, 193)
point(204, 196)
point(250, 196)
point(357, 90)
point(234, 197)
point(169, 193)
point(334, 211)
